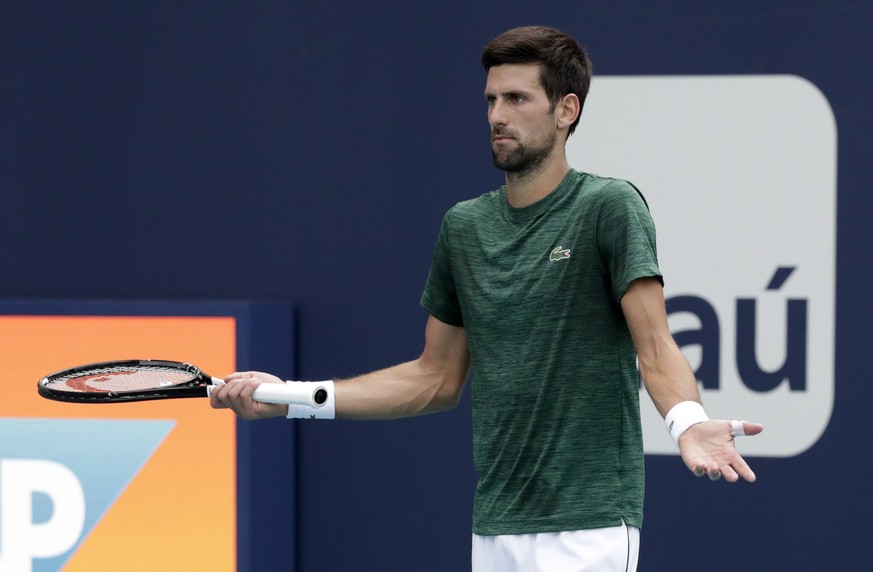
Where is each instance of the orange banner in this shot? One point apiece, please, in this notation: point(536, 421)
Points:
point(178, 512)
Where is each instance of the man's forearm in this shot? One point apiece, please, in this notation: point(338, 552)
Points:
point(403, 390)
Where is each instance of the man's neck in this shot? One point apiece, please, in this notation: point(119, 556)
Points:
point(524, 189)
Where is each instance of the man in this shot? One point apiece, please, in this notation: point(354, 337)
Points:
point(547, 289)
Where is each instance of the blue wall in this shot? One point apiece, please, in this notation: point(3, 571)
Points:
point(307, 151)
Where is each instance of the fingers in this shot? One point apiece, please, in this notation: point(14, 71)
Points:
point(235, 394)
point(716, 473)
point(242, 375)
point(752, 428)
point(739, 466)
point(215, 400)
point(745, 428)
point(732, 472)
point(712, 472)
point(741, 469)
point(222, 397)
point(709, 449)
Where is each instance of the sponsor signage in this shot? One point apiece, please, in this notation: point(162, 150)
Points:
point(134, 486)
point(740, 176)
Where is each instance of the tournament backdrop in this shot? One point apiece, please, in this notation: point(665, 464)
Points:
point(306, 152)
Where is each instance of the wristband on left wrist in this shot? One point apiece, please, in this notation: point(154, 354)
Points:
point(683, 416)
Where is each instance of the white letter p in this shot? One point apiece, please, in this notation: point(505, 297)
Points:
point(21, 539)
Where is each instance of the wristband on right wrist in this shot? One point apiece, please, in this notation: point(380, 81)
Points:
point(682, 416)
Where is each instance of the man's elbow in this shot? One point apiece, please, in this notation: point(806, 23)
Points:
point(445, 401)
point(448, 394)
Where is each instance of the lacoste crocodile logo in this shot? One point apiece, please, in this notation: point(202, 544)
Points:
point(559, 253)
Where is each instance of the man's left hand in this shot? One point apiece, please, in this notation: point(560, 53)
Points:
point(708, 449)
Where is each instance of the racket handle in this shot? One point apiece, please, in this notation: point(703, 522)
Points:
point(311, 394)
point(216, 381)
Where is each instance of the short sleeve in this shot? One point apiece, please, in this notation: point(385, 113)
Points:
point(440, 297)
point(626, 237)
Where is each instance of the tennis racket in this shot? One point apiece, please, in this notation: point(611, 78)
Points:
point(145, 380)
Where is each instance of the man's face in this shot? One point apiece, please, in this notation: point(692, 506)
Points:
point(523, 129)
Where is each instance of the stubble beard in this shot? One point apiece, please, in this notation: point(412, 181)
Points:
point(525, 160)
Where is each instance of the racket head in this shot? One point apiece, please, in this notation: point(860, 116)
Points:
point(125, 381)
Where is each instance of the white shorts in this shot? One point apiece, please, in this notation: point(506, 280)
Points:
point(613, 549)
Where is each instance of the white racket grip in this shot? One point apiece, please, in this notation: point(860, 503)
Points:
point(293, 393)
point(314, 400)
point(326, 409)
point(216, 381)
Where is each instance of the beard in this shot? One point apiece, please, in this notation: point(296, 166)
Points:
point(526, 158)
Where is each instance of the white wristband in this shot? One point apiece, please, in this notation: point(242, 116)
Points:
point(327, 410)
point(682, 416)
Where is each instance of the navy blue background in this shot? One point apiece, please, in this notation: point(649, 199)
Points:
point(306, 151)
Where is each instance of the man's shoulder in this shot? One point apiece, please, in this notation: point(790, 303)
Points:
point(598, 183)
point(484, 204)
point(607, 189)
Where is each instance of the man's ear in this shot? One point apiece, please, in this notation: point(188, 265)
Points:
point(567, 110)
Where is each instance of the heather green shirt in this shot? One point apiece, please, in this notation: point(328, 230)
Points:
point(557, 440)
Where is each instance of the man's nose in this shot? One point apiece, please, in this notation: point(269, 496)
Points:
point(496, 114)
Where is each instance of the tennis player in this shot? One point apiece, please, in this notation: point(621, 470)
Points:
point(546, 290)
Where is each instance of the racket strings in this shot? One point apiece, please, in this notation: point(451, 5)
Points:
point(120, 379)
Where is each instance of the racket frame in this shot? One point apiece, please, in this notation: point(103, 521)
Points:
point(199, 385)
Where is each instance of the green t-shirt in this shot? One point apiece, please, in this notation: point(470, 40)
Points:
point(557, 440)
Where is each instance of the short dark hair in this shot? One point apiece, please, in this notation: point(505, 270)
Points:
point(564, 66)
